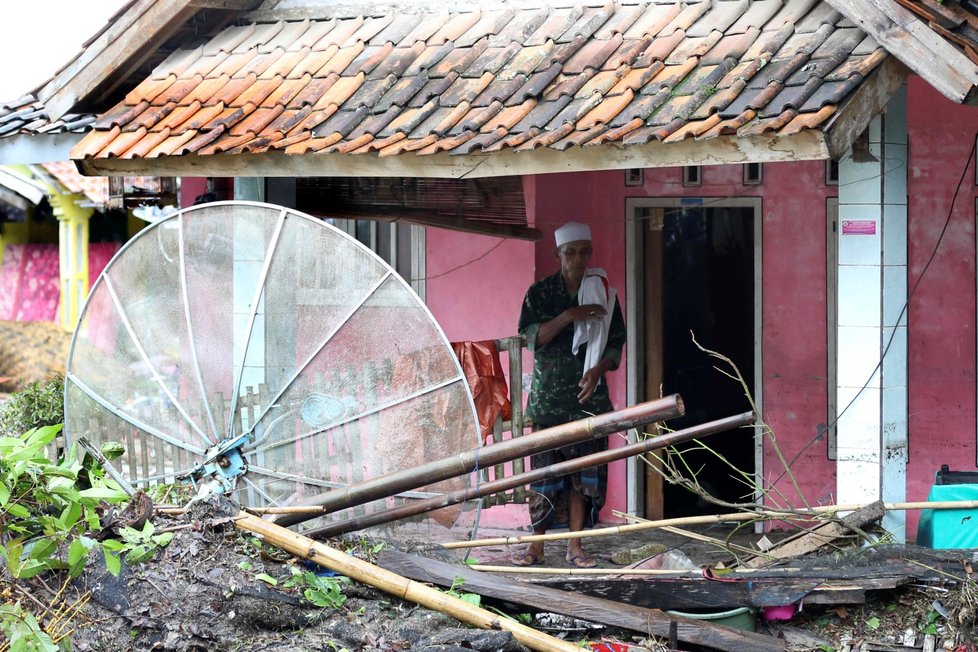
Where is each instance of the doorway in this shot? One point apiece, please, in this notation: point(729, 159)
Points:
point(698, 271)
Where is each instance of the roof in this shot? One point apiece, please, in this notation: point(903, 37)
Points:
point(95, 189)
point(650, 83)
point(480, 82)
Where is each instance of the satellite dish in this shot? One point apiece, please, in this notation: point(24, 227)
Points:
point(263, 350)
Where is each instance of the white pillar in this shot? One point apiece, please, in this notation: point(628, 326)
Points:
point(872, 292)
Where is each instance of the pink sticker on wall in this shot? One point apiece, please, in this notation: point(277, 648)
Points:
point(858, 227)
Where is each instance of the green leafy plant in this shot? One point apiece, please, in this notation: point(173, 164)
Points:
point(322, 591)
point(39, 404)
point(135, 546)
point(471, 598)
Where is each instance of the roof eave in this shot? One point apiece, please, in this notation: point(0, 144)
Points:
point(907, 38)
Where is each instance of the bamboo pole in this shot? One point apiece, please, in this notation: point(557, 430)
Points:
point(783, 515)
point(397, 585)
point(450, 467)
point(536, 475)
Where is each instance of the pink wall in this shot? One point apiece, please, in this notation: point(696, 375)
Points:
point(942, 311)
point(942, 355)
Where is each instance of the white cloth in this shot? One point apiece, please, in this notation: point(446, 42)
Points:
point(594, 290)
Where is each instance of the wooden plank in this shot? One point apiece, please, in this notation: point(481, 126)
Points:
point(820, 536)
point(654, 353)
point(905, 37)
point(122, 44)
point(618, 614)
point(701, 593)
point(809, 144)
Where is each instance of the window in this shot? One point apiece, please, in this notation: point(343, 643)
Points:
point(402, 246)
point(691, 175)
point(752, 174)
point(831, 172)
point(633, 177)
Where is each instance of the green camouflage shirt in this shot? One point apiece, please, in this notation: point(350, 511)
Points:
point(556, 371)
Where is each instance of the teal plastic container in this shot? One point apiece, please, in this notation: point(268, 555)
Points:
point(950, 528)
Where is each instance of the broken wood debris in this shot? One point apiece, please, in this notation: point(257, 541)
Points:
point(608, 612)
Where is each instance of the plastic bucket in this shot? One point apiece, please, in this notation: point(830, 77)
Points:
point(741, 617)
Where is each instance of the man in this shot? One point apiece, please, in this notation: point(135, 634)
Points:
point(560, 314)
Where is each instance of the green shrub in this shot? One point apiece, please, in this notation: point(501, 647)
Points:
point(38, 405)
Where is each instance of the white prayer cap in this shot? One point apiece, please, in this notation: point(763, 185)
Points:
point(571, 232)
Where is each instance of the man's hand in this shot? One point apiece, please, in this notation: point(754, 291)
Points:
point(588, 312)
point(589, 381)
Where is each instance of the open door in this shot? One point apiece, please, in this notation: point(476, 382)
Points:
point(699, 276)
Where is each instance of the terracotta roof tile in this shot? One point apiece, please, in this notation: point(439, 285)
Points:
point(492, 60)
point(459, 59)
point(660, 49)
point(121, 115)
point(621, 20)
point(153, 115)
point(454, 27)
point(230, 38)
point(476, 117)
point(464, 89)
point(590, 20)
point(509, 116)
point(426, 60)
point(369, 58)
point(145, 145)
point(426, 27)
point(821, 14)
point(627, 53)
point(606, 111)
point(370, 92)
point(313, 62)
point(397, 30)
point(757, 15)
point(490, 23)
point(206, 89)
point(149, 90)
point(374, 124)
point(718, 19)
point(535, 85)
point(685, 18)
point(438, 121)
point(312, 36)
point(309, 94)
point(637, 78)
point(397, 61)
point(235, 65)
point(519, 29)
point(601, 82)
point(693, 47)
point(580, 138)
point(541, 114)
point(340, 92)
point(653, 20)
point(200, 119)
point(340, 61)
point(402, 91)
point(731, 45)
point(433, 88)
point(568, 85)
point(342, 30)
point(408, 120)
point(499, 91)
point(473, 81)
point(341, 122)
point(556, 23)
point(370, 28)
point(171, 145)
point(446, 144)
